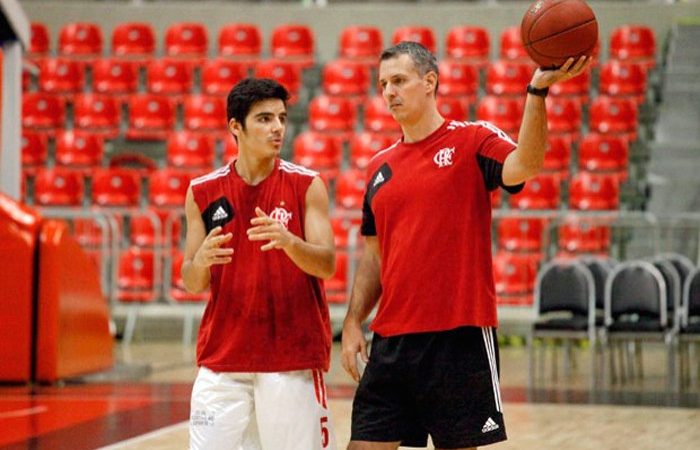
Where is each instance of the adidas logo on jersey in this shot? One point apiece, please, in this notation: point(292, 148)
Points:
point(378, 179)
point(219, 214)
point(490, 425)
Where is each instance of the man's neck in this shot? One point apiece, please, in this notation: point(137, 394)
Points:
point(423, 128)
point(253, 170)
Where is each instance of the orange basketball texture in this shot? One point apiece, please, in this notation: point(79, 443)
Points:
point(555, 30)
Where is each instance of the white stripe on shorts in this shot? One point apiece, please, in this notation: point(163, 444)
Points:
point(491, 354)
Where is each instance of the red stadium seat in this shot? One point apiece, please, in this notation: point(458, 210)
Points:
point(293, 43)
point(511, 45)
point(188, 150)
point(350, 190)
point(151, 117)
point(98, 114)
point(136, 279)
point(241, 41)
point(58, 187)
point(40, 42)
point(578, 235)
point(365, 144)
point(594, 191)
point(623, 79)
point(468, 43)
point(187, 40)
point(507, 77)
point(167, 187)
point(61, 76)
point(458, 79)
point(564, 117)
point(604, 153)
point(134, 41)
point(142, 229)
point(578, 87)
point(634, 43)
point(452, 108)
point(170, 77)
point(116, 187)
point(557, 155)
point(541, 192)
point(378, 118)
point(614, 115)
point(79, 149)
point(205, 113)
point(42, 112)
point(220, 75)
point(514, 277)
point(346, 78)
point(178, 291)
point(342, 228)
point(80, 40)
point(522, 234)
point(284, 72)
point(504, 112)
point(115, 77)
point(318, 151)
point(35, 150)
point(416, 33)
point(361, 43)
point(332, 115)
point(495, 198)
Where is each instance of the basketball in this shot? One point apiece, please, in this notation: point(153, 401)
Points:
point(555, 30)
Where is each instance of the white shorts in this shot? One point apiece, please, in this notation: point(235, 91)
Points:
point(260, 411)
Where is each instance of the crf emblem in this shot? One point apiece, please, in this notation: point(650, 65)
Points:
point(444, 157)
point(281, 215)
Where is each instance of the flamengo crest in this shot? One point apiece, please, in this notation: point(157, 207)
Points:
point(281, 215)
point(444, 157)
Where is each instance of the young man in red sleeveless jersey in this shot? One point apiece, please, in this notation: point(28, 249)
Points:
point(433, 368)
point(259, 237)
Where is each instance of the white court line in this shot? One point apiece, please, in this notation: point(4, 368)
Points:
point(147, 436)
point(24, 412)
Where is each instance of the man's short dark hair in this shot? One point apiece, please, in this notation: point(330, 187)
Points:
point(249, 91)
point(423, 60)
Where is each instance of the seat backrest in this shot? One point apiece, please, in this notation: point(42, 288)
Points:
point(80, 38)
point(682, 263)
point(219, 75)
point(453, 108)
point(467, 42)
point(504, 112)
point(594, 191)
point(603, 152)
point(58, 187)
point(691, 296)
point(541, 192)
point(61, 76)
point(506, 77)
point(360, 41)
point(378, 118)
point(186, 38)
point(168, 187)
point(236, 39)
point(458, 78)
point(39, 41)
point(350, 189)
point(112, 76)
point(133, 38)
point(79, 148)
point(566, 286)
point(345, 77)
point(673, 284)
point(415, 33)
point(292, 40)
point(635, 287)
point(600, 270)
point(327, 113)
point(511, 44)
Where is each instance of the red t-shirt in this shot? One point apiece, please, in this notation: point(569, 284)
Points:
point(429, 205)
point(264, 314)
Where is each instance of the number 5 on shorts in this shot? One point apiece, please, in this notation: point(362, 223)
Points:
point(325, 437)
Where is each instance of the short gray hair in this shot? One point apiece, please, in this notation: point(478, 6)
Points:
point(423, 60)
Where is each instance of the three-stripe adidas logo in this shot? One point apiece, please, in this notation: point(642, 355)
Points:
point(219, 214)
point(490, 425)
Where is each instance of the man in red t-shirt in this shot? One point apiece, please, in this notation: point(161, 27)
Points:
point(259, 236)
point(433, 368)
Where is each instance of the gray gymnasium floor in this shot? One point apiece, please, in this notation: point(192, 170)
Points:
point(562, 413)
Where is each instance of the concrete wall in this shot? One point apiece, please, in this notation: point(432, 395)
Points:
point(328, 21)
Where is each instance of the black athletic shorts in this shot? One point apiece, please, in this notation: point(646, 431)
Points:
point(443, 384)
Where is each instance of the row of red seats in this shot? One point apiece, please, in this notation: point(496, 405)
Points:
point(153, 117)
point(137, 40)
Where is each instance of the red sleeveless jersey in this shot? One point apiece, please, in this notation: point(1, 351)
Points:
point(429, 205)
point(264, 314)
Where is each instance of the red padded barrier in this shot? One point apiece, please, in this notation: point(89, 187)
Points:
point(72, 314)
point(18, 228)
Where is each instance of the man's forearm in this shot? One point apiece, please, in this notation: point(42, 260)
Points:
point(314, 259)
point(195, 278)
point(532, 138)
point(366, 290)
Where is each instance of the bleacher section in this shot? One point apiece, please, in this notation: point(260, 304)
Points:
point(113, 130)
